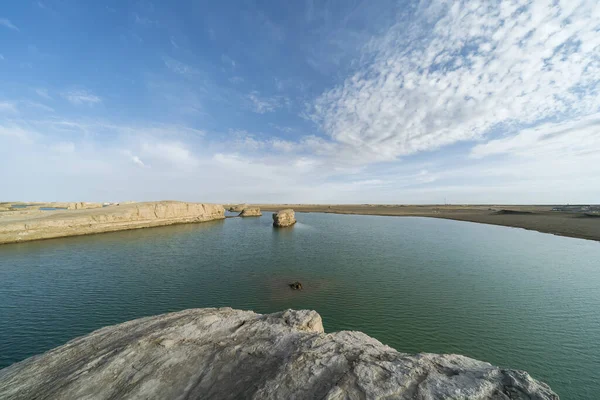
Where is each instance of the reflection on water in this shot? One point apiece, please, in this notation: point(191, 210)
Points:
point(508, 296)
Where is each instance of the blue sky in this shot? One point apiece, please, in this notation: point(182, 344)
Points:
point(325, 102)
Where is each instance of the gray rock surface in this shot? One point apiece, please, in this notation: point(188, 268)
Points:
point(284, 218)
point(232, 354)
point(250, 212)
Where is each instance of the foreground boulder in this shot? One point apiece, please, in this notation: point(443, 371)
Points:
point(44, 225)
point(284, 218)
point(250, 212)
point(232, 354)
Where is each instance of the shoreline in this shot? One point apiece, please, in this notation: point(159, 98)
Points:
point(534, 218)
point(33, 225)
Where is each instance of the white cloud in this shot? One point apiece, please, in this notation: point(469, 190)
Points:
point(63, 147)
point(36, 105)
point(143, 20)
point(283, 145)
point(43, 93)
point(464, 68)
point(7, 107)
point(244, 140)
point(16, 131)
point(262, 105)
point(137, 161)
point(236, 79)
point(80, 96)
point(558, 140)
point(180, 68)
point(7, 24)
point(174, 153)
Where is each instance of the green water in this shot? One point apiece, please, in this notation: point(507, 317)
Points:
point(512, 297)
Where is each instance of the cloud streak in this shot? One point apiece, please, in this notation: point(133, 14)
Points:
point(7, 24)
point(81, 97)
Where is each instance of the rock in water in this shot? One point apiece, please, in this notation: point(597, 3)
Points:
point(231, 354)
point(296, 285)
point(284, 218)
point(238, 208)
point(250, 212)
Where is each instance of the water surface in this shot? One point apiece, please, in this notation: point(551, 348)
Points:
point(512, 297)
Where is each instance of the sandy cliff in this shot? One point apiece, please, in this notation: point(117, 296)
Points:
point(233, 354)
point(51, 224)
point(250, 212)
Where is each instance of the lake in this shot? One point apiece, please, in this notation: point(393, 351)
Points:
point(515, 298)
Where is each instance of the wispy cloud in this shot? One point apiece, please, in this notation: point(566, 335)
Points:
point(236, 79)
point(81, 96)
point(7, 24)
point(143, 20)
point(179, 67)
point(8, 107)
point(1, 57)
point(43, 93)
point(262, 105)
point(36, 105)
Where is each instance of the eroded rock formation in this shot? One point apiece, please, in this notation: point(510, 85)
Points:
point(250, 212)
point(232, 354)
point(44, 225)
point(284, 218)
point(238, 207)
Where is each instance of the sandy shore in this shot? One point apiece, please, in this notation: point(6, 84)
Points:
point(537, 218)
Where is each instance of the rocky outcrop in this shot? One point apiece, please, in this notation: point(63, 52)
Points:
point(82, 205)
point(238, 207)
point(250, 212)
point(284, 218)
point(44, 225)
point(231, 354)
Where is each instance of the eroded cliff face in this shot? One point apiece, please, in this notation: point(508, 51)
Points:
point(284, 218)
point(250, 212)
point(44, 225)
point(231, 354)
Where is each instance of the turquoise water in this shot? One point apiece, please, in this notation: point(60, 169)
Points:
point(512, 297)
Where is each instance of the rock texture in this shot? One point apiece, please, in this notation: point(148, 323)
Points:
point(284, 218)
point(251, 212)
point(233, 354)
point(82, 205)
point(238, 207)
point(51, 224)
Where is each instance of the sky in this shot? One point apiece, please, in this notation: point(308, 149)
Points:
point(344, 101)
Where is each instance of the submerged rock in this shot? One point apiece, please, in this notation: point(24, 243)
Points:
point(296, 285)
point(284, 218)
point(229, 354)
point(250, 212)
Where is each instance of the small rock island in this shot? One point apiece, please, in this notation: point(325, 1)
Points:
point(284, 218)
point(250, 212)
point(232, 354)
